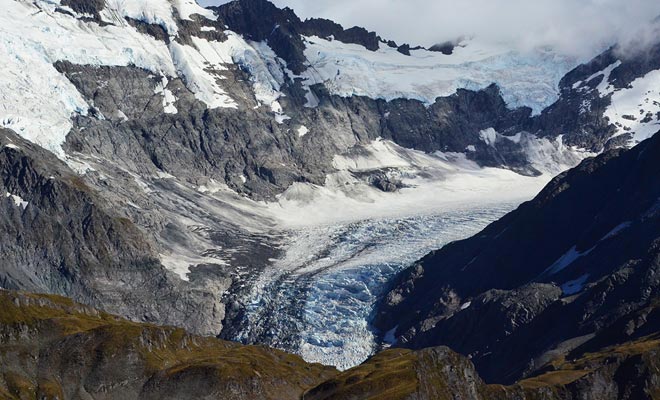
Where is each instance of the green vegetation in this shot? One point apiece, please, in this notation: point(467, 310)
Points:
point(64, 330)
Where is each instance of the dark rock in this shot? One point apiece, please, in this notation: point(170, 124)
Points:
point(446, 48)
point(600, 218)
point(261, 20)
point(68, 240)
point(93, 7)
point(154, 30)
point(385, 183)
point(404, 49)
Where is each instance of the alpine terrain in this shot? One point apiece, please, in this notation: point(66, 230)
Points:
point(235, 202)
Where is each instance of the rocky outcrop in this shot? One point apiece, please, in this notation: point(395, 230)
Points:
point(261, 20)
point(585, 251)
point(624, 372)
point(60, 236)
point(434, 373)
point(578, 115)
point(91, 7)
point(357, 35)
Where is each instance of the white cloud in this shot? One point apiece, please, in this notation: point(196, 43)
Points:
point(573, 27)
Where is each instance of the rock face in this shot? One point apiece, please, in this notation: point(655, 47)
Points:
point(584, 252)
point(62, 237)
point(261, 20)
point(56, 349)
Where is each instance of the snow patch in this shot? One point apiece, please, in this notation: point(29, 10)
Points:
point(617, 230)
point(18, 201)
point(281, 118)
point(390, 336)
point(489, 136)
point(574, 286)
point(636, 109)
point(186, 8)
point(202, 67)
point(267, 71)
point(604, 87)
point(302, 131)
point(180, 263)
point(168, 97)
point(564, 261)
point(121, 115)
point(213, 187)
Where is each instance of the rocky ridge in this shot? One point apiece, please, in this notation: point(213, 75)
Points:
point(583, 252)
point(54, 348)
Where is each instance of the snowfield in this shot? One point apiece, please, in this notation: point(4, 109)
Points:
point(635, 109)
point(526, 79)
point(431, 183)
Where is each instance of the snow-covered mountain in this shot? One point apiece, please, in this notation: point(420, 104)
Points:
point(214, 143)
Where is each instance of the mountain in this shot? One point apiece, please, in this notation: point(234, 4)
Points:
point(199, 155)
point(60, 236)
point(54, 348)
point(575, 268)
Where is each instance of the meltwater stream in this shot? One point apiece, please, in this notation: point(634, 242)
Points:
point(316, 301)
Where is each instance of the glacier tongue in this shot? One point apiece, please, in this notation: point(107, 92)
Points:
point(316, 300)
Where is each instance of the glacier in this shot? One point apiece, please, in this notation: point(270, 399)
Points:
point(528, 78)
point(323, 290)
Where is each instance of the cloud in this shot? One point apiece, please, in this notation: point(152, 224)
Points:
point(573, 27)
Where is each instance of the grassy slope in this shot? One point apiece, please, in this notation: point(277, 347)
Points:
point(42, 336)
point(49, 327)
